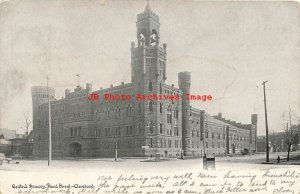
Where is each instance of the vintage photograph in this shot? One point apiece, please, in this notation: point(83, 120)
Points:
point(149, 96)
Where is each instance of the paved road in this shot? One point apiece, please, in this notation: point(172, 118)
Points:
point(143, 165)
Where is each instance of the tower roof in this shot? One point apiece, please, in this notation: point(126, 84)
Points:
point(147, 8)
point(148, 13)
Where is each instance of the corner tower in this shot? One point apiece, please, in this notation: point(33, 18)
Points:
point(148, 58)
point(184, 82)
point(39, 96)
point(253, 132)
point(148, 73)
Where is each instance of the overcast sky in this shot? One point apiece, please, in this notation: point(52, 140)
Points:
point(229, 47)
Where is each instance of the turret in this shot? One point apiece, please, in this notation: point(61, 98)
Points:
point(253, 132)
point(184, 81)
point(39, 96)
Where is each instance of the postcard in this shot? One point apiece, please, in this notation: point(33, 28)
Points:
point(149, 96)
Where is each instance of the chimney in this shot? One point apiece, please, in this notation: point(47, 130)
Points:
point(219, 115)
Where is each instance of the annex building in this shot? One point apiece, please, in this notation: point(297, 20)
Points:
point(95, 128)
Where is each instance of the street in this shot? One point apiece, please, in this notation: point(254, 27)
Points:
point(148, 165)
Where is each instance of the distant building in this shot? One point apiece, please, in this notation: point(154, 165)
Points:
point(278, 141)
point(87, 128)
point(7, 133)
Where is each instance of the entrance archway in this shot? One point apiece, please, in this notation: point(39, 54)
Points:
point(74, 149)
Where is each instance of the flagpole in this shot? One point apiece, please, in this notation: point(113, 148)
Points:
point(49, 114)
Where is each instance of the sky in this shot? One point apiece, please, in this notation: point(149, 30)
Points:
point(230, 48)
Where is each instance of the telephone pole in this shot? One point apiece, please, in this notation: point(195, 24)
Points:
point(49, 118)
point(266, 120)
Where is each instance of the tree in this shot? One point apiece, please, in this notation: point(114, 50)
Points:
point(291, 136)
point(26, 125)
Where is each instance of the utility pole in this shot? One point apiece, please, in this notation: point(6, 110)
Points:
point(273, 142)
point(202, 132)
point(49, 118)
point(289, 133)
point(116, 151)
point(78, 79)
point(266, 120)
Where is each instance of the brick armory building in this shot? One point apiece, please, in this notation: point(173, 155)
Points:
point(89, 128)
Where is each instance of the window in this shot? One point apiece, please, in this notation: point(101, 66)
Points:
point(151, 128)
point(206, 143)
point(128, 110)
point(150, 106)
point(169, 118)
point(129, 130)
point(198, 133)
point(107, 131)
point(150, 86)
point(140, 107)
point(97, 133)
point(206, 134)
point(212, 135)
point(161, 128)
point(160, 88)
point(188, 85)
point(118, 131)
point(107, 113)
point(176, 113)
point(117, 112)
point(75, 131)
point(140, 128)
point(151, 142)
point(176, 131)
point(71, 132)
point(212, 145)
point(219, 145)
point(148, 61)
point(170, 143)
point(160, 107)
point(79, 131)
point(192, 133)
point(219, 136)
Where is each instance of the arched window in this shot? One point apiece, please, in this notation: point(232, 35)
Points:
point(176, 112)
point(150, 86)
point(117, 112)
point(150, 106)
point(141, 39)
point(140, 128)
point(107, 113)
point(128, 110)
point(160, 107)
point(154, 38)
point(150, 126)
